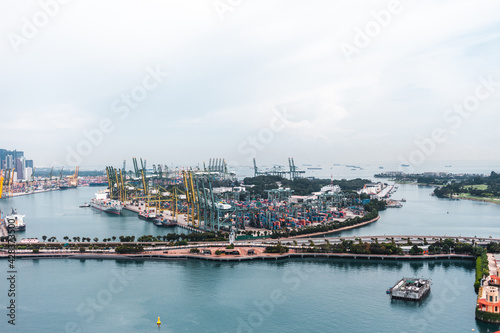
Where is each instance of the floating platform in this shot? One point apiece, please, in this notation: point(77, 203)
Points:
point(410, 289)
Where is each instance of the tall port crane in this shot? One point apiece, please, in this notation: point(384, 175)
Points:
point(1, 183)
point(136, 168)
point(193, 212)
point(73, 179)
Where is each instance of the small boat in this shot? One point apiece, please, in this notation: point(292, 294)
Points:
point(169, 223)
point(148, 216)
point(405, 165)
point(66, 186)
point(16, 221)
point(85, 205)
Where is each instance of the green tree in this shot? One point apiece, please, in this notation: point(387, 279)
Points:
point(415, 250)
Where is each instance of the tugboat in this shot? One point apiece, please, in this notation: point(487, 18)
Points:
point(105, 204)
point(19, 224)
point(169, 223)
point(148, 216)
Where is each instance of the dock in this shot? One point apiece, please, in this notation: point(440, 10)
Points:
point(410, 289)
point(181, 220)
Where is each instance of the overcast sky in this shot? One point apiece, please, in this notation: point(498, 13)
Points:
point(182, 81)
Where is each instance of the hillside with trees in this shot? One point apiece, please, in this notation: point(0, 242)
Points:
point(300, 186)
point(474, 187)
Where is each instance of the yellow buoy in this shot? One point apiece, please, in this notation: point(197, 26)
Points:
point(158, 322)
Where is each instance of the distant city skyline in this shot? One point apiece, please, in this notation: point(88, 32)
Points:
point(181, 82)
point(15, 160)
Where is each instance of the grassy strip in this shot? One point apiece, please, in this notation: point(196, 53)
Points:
point(481, 269)
point(488, 316)
point(467, 196)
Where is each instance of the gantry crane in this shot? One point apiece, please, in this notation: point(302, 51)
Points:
point(1, 183)
point(73, 179)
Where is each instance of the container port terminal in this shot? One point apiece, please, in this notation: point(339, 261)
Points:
point(11, 187)
point(205, 198)
point(194, 199)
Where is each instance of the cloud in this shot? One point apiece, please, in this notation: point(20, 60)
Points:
point(47, 119)
point(228, 77)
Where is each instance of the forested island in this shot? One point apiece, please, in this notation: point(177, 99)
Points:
point(485, 188)
point(299, 186)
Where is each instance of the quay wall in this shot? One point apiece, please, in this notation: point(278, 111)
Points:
point(155, 256)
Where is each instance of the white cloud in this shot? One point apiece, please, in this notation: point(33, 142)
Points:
point(228, 76)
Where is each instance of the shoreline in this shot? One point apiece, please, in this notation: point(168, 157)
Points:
point(234, 258)
point(477, 199)
point(332, 231)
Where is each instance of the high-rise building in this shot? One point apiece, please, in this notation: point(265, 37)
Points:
point(20, 168)
point(9, 162)
point(14, 159)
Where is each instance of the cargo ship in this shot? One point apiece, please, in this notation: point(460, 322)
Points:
point(15, 220)
point(98, 183)
point(66, 186)
point(105, 204)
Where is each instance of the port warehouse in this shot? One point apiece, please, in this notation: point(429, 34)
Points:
point(190, 192)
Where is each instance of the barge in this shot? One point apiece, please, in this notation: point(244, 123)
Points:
point(410, 289)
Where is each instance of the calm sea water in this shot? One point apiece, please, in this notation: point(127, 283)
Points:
point(194, 296)
point(58, 214)
point(366, 171)
point(423, 214)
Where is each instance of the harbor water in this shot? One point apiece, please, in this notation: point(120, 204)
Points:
point(58, 214)
point(337, 295)
point(423, 214)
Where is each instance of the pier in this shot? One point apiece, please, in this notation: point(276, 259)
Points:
point(181, 222)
